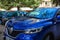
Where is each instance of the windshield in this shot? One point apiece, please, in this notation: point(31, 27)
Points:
point(43, 13)
point(38, 9)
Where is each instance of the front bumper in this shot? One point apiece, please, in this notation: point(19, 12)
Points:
point(20, 36)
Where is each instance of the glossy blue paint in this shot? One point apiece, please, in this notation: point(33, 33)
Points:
point(41, 19)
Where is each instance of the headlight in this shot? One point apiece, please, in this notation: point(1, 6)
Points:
point(29, 31)
point(5, 18)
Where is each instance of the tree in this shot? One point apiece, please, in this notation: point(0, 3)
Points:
point(21, 3)
point(30, 3)
point(57, 2)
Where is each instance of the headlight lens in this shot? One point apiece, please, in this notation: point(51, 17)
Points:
point(29, 31)
point(5, 18)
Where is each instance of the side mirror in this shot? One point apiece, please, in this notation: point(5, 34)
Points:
point(58, 16)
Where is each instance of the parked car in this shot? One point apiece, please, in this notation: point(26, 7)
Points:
point(36, 25)
point(10, 14)
point(2, 13)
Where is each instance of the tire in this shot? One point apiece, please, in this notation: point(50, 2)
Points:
point(49, 36)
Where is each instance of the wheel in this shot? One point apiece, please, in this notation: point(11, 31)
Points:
point(49, 37)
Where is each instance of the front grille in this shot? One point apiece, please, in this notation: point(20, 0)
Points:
point(15, 33)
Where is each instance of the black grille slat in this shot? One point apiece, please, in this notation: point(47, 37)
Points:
point(15, 33)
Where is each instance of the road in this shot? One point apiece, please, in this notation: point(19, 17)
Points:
point(1, 32)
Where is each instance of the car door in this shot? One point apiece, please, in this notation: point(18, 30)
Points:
point(58, 23)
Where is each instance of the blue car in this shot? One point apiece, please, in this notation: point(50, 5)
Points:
point(36, 25)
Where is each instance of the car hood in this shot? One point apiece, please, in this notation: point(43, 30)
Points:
point(30, 23)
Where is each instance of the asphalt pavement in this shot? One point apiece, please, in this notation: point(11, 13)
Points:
point(1, 31)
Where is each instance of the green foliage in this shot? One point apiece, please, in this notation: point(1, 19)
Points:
point(57, 2)
point(21, 3)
